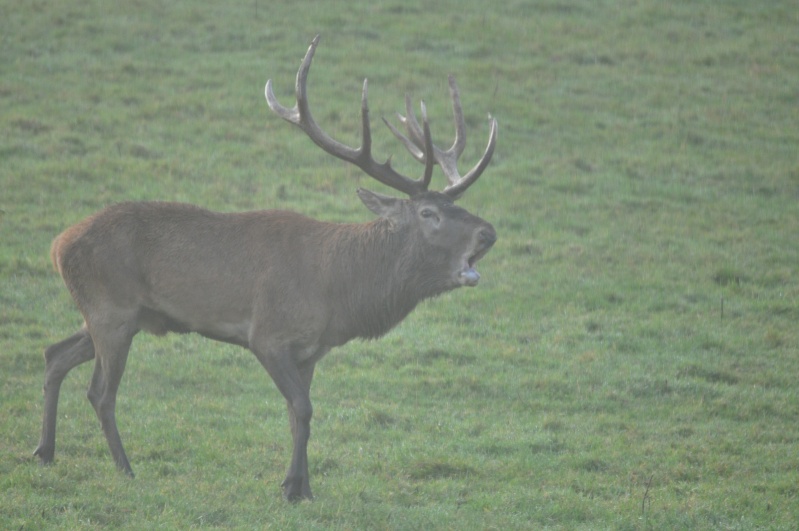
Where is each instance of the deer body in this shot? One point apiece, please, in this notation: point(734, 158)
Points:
point(230, 276)
point(287, 287)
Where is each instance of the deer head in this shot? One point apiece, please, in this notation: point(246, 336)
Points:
point(460, 238)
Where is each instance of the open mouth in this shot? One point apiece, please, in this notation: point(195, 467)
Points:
point(484, 240)
point(468, 274)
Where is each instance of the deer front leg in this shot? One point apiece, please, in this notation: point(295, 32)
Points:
point(59, 358)
point(297, 430)
point(294, 383)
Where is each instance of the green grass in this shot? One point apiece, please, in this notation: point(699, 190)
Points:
point(629, 360)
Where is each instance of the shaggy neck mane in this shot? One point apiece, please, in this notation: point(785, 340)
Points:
point(378, 275)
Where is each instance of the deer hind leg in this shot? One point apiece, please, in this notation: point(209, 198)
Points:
point(60, 358)
point(112, 343)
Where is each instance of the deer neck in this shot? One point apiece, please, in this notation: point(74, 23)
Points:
point(383, 274)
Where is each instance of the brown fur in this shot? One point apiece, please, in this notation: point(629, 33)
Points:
point(287, 287)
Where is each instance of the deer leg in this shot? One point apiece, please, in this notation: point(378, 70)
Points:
point(294, 383)
point(59, 358)
point(112, 345)
point(306, 374)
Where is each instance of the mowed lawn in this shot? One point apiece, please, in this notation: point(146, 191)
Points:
point(629, 360)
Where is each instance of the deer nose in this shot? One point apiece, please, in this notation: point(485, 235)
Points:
point(487, 237)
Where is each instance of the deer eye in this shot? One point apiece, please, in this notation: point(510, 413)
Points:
point(428, 213)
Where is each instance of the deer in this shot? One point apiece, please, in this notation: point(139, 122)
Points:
point(287, 287)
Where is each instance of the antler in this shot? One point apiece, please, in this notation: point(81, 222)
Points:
point(448, 160)
point(420, 143)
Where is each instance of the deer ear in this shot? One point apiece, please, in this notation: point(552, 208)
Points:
point(382, 205)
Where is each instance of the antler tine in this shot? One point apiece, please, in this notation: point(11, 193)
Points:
point(415, 144)
point(456, 188)
point(421, 142)
point(428, 150)
point(460, 123)
point(293, 115)
point(415, 141)
point(448, 159)
point(300, 115)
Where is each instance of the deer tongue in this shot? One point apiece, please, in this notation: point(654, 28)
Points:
point(470, 276)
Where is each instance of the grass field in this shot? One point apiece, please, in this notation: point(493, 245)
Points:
point(629, 360)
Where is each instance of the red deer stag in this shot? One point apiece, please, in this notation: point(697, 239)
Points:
point(287, 287)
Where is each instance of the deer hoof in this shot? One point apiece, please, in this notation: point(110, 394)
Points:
point(294, 491)
point(45, 455)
